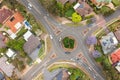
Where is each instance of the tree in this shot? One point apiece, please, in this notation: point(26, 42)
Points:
point(96, 54)
point(76, 18)
point(91, 40)
point(16, 44)
point(106, 11)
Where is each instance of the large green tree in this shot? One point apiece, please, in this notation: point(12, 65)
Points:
point(16, 44)
point(76, 18)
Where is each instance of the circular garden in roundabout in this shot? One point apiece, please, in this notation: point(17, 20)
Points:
point(68, 43)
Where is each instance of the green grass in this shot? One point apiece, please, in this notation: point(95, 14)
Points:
point(69, 12)
point(57, 66)
point(21, 32)
point(1, 25)
point(41, 51)
point(114, 25)
point(68, 43)
point(77, 74)
point(106, 11)
point(116, 2)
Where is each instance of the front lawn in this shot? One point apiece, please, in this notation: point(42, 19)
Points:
point(68, 42)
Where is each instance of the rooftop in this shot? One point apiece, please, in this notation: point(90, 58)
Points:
point(6, 68)
point(118, 66)
point(1, 76)
point(82, 8)
point(15, 22)
point(64, 1)
point(27, 35)
point(117, 34)
point(115, 56)
point(31, 44)
point(108, 43)
point(5, 14)
point(2, 41)
point(98, 1)
point(10, 53)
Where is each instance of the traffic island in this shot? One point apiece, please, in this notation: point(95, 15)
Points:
point(69, 70)
point(69, 44)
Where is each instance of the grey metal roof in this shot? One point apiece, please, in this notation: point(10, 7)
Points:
point(1, 76)
point(31, 44)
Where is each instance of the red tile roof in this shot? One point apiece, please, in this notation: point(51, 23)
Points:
point(17, 17)
point(115, 56)
point(5, 14)
point(94, 1)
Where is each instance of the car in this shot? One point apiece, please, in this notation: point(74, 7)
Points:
point(90, 69)
point(67, 52)
point(60, 39)
point(30, 6)
point(51, 37)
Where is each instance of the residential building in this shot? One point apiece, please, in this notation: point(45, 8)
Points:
point(6, 67)
point(100, 3)
point(82, 8)
point(109, 43)
point(32, 45)
point(2, 41)
point(10, 53)
point(117, 34)
point(64, 1)
point(5, 14)
point(2, 76)
point(118, 67)
point(115, 56)
point(62, 75)
point(15, 22)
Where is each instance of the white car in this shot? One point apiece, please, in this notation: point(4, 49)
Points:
point(51, 37)
point(29, 6)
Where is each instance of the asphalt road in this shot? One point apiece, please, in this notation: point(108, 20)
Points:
point(43, 17)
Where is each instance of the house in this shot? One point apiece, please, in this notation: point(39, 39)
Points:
point(15, 22)
point(10, 53)
point(118, 67)
point(115, 56)
point(109, 43)
point(2, 76)
point(82, 8)
point(100, 3)
point(64, 1)
point(5, 14)
point(6, 67)
point(2, 41)
point(62, 75)
point(32, 45)
point(117, 34)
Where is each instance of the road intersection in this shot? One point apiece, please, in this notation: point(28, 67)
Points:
point(43, 16)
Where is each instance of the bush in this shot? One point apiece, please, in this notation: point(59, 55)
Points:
point(68, 43)
point(106, 11)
